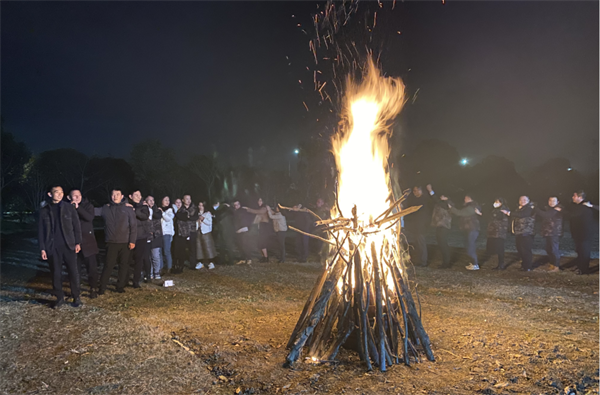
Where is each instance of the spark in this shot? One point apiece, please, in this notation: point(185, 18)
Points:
point(305, 106)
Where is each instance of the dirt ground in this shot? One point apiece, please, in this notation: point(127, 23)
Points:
point(224, 332)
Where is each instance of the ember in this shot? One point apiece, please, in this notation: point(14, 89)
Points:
point(365, 288)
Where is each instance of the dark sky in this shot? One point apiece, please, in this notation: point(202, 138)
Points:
point(515, 79)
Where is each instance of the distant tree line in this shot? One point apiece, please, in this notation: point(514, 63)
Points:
point(156, 170)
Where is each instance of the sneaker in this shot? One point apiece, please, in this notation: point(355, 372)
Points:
point(211, 266)
point(157, 277)
point(554, 269)
point(249, 261)
point(472, 267)
point(58, 304)
point(77, 303)
point(240, 262)
point(199, 266)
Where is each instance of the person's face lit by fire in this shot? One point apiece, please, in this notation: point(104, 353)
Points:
point(201, 207)
point(468, 199)
point(237, 205)
point(178, 203)
point(553, 202)
point(417, 191)
point(116, 196)
point(136, 196)
point(577, 198)
point(320, 202)
point(166, 201)
point(260, 202)
point(523, 200)
point(150, 201)
point(187, 200)
point(56, 194)
point(75, 196)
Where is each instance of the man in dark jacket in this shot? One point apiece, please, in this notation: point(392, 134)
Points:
point(523, 228)
point(59, 236)
point(582, 229)
point(89, 247)
point(552, 229)
point(324, 212)
point(497, 229)
point(303, 221)
point(469, 224)
point(223, 230)
point(242, 221)
point(141, 252)
point(441, 220)
point(120, 230)
point(185, 234)
point(416, 224)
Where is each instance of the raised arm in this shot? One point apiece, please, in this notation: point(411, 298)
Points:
point(463, 212)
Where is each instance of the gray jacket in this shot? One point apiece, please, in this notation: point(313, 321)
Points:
point(120, 224)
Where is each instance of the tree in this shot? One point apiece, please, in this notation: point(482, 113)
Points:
point(15, 155)
point(64, 166)
point(154, 166)
point(207, 170)
point(34, 185)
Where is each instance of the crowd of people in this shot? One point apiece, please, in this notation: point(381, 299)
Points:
point(438, 212)
point(146, 240)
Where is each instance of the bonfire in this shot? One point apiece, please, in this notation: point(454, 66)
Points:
point(364, 295)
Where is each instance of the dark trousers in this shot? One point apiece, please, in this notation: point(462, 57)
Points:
point(471, 246)
point(241, 239)
point(552, 250)
point(281, 245)
point(495, 246)
point(302, 247)
point(417, 240)
point(56, 258)
point(191, 246)
point(441, 236)
point(116, 254)
point(141, 260)
point(524, 245)
point(583, 247)
point(184, 248)
point(225, 245)
point(91, 266)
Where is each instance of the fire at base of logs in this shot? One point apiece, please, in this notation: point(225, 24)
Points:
point(363, 294)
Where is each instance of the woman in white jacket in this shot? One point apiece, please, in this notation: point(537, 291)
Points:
point(205, 245)
point(168, 231)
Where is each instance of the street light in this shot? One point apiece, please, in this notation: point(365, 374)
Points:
point(464, 161)
point(296, 151)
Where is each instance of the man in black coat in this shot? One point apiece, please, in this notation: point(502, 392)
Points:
point(582, 229)
point(552, 229)
point(242, 221)
point(59, 236)
point(185, 234)
point(223, 230)
point(141, 252)
point(416, 224)
point(441, 220)
point(524, 230)
point(89, 248)
point(120, 230)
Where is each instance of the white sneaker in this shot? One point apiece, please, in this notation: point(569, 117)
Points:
point(157, 277)
point(472, 267)
point(240, 262)
point(211, 266)
point(249, 261)
point(199, 266)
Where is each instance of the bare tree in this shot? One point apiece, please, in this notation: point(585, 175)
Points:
point(34, 184)
point(207, 170)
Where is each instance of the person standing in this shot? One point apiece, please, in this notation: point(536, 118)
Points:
point(205, 245)
point(324, 212)
point(59, 237)
point(185, 247)
point(156, 239)
point(497, 230)
point(280, 228)
point(141, 256)
point(441, 220)
point(168, 230)
point(177, 205)
point(523, 227)
point(223, 230)
point(552, 229)
point(89, 247)
point(120, 231)
point(582, 229)
point(264, 228)
point(469, 224)
point(416, 224)
point(241, 223)
point(302, 221)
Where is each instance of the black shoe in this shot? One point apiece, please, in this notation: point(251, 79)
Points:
point(93, 294)
point(122, 291)
point(101, 291)
point(145, 279)
point(525, 270)
point(59, 303)
point(76, 303)
point(136, 285)
point(281, 261)
point(500, 267)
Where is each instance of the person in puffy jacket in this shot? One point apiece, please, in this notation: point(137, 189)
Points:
point(156, 239)
point(141, 255)
point(497, 229)
point(168, 230)
point(441, 220)
point(523, 227)
point(583, 224)
point(552, 230)
point(469, 224)
point(205, 244)
point(184, 241)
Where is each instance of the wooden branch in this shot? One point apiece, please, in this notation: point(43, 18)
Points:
point(311, 235)
point(401, 214)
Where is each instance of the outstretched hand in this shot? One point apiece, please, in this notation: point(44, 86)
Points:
point(444, 198)
point(429, 188)
point(588, 204)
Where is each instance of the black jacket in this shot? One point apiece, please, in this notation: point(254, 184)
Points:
point(68, 222)
point(523, 221)
point(498, 226)
point(223, 219)
point(468, 218)
point(552, 221)
point(120, 225)
point(582, 220)
point(441, 217)
point(155, 235)
point(185, 220)
point(419, 220)
point(85, 211)
point(142, 215)
point(242, 219)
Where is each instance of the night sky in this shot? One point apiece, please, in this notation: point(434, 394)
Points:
point(515, 79)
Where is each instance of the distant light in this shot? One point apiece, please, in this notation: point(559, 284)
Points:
point(296, 151)
point(569, 168)
point(464, 162)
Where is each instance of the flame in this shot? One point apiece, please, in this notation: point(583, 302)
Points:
point(361, 152)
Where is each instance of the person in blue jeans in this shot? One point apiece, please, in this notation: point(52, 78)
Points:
point(469, 224)
point(168, 230)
